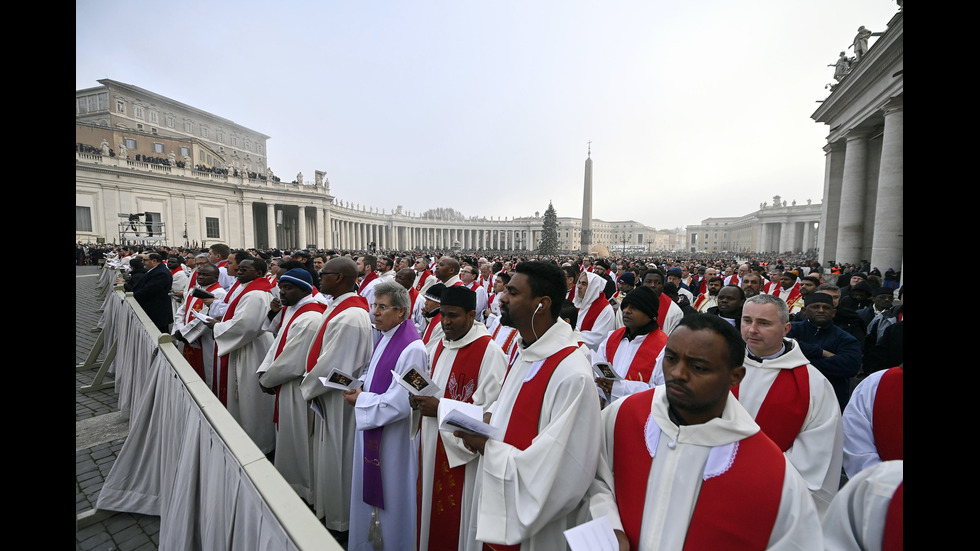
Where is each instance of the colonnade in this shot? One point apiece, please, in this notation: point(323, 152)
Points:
point(864, 193)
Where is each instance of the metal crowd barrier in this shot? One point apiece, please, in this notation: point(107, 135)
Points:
point(185, 458)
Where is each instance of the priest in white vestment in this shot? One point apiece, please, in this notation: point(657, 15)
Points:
point(806, 426)
point(468, 366)
point(674, 456)
point(281, 373)
point(530, 484)
point(343, 340)
point(240, 337)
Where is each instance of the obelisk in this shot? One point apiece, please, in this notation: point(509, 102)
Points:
point(587, 204)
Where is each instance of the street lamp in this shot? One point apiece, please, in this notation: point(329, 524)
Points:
point(625, 239)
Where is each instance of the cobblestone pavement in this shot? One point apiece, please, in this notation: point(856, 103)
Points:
point(98, 438)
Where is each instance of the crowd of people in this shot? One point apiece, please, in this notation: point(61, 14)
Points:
point(685, 401)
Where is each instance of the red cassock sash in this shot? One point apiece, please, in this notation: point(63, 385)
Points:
point(526, 414)
point(699, 301)
point(220, 369)
point(349, 302)
point(436, 320)
point(596, 308)
point(894, 537)
point(447, 483)
point(643, 362)
point(888, 415)
point(308, 307)
point(755, 476)
point(784, 409)
point(665, 303)
point(413, 296)
point(794, 296)
point(422, 279)
point(367, 279)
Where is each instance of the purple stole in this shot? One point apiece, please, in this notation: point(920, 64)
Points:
point(372, 489)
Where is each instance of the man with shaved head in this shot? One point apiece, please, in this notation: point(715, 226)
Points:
point(343, 339)
point(447, 271)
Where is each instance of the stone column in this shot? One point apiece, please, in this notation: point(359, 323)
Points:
point(830, 211)
point(270, 223)
point(887, 250)
point(325, 228)
point(301, 224)
point(851, 225)
point(787, 234)
point(248, 227)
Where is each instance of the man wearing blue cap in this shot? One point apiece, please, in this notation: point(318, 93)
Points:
point(281, 373)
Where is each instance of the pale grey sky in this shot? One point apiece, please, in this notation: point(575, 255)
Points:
point(694, 109)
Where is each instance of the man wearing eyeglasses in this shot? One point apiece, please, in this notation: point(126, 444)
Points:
point(383, 486)
point(469, 276)
point(343, 339)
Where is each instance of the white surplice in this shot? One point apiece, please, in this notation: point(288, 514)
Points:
point(530, 496)
point(294, 457)
point(246, 344)
point(347, 345)
point(818, 450)
point(681, 458)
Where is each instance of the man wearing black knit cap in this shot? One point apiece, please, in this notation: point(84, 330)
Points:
point(632, 350)
point(469, 367)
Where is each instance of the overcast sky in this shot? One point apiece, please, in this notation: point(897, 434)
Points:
point(695, 109)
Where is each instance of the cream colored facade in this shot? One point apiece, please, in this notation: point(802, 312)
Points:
point(199, 204)
point(863, 215)
point(201, 208)
point(779, 227)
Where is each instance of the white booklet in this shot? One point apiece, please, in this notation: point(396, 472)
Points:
point(595, 535)
point(454, 415)
point(417, 383)
point(340, 380)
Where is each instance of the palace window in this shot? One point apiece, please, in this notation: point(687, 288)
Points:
point(211, 224)
point(83, 218)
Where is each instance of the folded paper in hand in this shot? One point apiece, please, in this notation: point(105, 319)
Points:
point(454, 415)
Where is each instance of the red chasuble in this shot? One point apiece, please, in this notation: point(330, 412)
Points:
point(525, 415)
point(596, 308)
point(888, 415)
point(447, 483)
point(784, 409)
point(641, 368)
point(755, 476)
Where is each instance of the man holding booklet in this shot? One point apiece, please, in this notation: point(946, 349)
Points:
point(343, 341)
point(467, 366)
point(529, 484)
point(383, 491)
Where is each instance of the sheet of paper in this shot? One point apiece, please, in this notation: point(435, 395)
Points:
point(455, 415)
point(595, 535)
